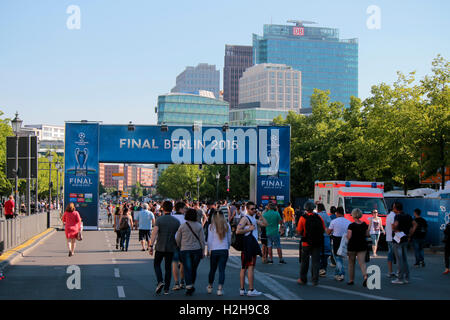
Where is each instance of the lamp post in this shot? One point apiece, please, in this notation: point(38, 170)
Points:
point(217, 186)
point(16, 124)
point(50, 159)
point(58, 167)
point(198, 188)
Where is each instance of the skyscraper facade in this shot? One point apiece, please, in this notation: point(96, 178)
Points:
point(326, 62)
point(201, 77)
point(237, 60)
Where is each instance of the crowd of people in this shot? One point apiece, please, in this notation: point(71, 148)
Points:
point(182, 233)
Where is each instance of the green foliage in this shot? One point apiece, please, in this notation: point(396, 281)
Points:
point(5, 131)
point(43, 175)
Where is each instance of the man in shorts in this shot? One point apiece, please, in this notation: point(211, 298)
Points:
point(146, 220)
point(249, 226)
point(274, 221)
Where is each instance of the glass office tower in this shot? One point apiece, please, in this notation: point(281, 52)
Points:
point(201, 77)
point(326, 62)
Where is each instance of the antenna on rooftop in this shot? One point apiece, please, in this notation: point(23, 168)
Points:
point(300, 23)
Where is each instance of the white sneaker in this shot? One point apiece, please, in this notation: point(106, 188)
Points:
point(242, 292)
point(254, 293)
point(220, 292)
point(209, 289)
point(398, 281)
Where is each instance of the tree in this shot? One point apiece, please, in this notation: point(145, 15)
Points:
point(5, 131)
point(433, 125)
point(101, 188)
point(177, 179)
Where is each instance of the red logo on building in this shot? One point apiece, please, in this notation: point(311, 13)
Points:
point(298, 31)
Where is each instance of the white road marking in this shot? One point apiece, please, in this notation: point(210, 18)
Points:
point(271, 297)
point(114, 261)
point(121, 292)
point(371, 296)
point(116, 273)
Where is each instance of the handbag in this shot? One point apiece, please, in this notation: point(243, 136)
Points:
point(201, 246)
point(79, 235)
point(342, 251)
point(237, 240)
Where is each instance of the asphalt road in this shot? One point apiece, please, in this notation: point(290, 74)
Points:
point(109, 274)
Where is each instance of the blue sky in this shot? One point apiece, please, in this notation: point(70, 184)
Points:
point(129, 52)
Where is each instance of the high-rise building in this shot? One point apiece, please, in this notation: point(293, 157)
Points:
point(50, 137)
point(201, 77)
point(326, 61)
point(237, 60)
point(130, 175)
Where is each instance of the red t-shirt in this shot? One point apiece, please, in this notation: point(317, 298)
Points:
point(9, 206)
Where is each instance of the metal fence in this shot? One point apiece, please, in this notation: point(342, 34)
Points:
point(14, 232)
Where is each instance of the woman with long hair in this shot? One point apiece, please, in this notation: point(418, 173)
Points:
point(72, 223)
point(219, 241)
point(116, 225)
point(126, 225)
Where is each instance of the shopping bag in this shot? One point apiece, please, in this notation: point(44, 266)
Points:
point(342, 251)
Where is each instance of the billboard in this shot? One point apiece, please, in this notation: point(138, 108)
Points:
point(81, 170)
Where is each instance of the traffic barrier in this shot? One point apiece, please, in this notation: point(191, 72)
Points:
point(14, 232)
point(435, 211)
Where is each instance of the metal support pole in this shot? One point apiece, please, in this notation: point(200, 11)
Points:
point(16, 205)
point(49, 192)
point(29, 178)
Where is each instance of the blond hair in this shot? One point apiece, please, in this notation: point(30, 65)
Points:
point(356, 213)
point(220, 224)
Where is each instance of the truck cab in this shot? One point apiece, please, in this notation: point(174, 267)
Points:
point(364, 195)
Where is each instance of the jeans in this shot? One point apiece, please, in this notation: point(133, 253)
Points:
point(339, 270)
point(167, 256)
point(288, 225)
point(401, 255)
point(326, 251)
point(190, 260)
point(218, 259)
point(307, 251)
point(418, 249)
point(125, 238)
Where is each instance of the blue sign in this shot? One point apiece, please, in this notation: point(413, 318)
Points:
point(81, 170)
point(273, 171)
point(87, 144)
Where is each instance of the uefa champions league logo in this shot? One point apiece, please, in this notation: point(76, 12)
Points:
point(82, 136)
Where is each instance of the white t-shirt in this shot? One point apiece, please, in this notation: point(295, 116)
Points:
point(339, 226)
point(255, 231)
point(389, 222)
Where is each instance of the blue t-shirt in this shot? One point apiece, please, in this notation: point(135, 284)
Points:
point(145, 218)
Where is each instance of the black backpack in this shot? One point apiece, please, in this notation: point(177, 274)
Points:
point(313, 230)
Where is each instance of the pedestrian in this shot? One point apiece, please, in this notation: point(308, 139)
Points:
point(333, 215)
point(191, 241)
point(109, 210)
point(326, 248)
point(357, 233)
point(417, 236)
point(251, 249)
point(219, 241)
point(177, 265)
point(263, 238)
point(126, 225)
point(145, 220)
point(311, 228)
point(72, 225)
point(9, 208)
point(402, 226)
point(447, 249)
point(201, 215)
point(375, 229)
point(390, 256)
point(338, 229)
point(274, 221)
point(288, 217)
point(116, 225)
point(164, 231)
point(233, 210)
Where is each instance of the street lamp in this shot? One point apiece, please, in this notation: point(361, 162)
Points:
point(198, 188)
point(217, 187)
point(58, 168)
point(16, 124)
point(50, 159)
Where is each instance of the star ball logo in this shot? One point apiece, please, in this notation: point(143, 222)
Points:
point(82, 138)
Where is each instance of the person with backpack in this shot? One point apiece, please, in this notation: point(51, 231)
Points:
point(116, 225)
point(311, 228)
point(446, 240)
point(126, 224)
point(357, 233)
point(401, 228)
point(248, 227)
point(417, 236)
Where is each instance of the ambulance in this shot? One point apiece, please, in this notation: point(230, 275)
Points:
point(364, 195)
